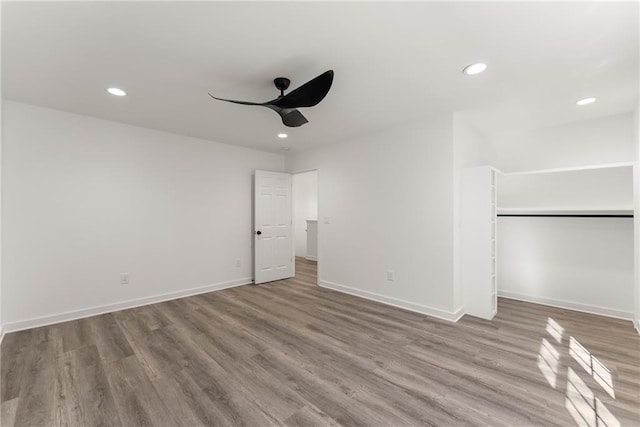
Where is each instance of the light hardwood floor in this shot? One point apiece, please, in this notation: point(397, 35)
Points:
point(291, 353)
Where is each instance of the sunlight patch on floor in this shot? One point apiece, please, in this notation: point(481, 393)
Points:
point(548, 362)
point(555, 330)
point(585, 408)
point(581, 402)
point(592, 365)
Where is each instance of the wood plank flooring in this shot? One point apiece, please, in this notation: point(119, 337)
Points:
point(291, 353)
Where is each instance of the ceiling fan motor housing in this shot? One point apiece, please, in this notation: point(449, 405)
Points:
point(282, 83)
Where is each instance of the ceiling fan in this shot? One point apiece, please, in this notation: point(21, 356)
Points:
point(307, 95)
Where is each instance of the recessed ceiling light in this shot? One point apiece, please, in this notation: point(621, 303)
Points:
point(474, 68)
point(117, 92)
point(586, 101)
point(282, 135)
point(286, 148)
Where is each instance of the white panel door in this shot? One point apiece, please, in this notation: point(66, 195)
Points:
point(273, 253)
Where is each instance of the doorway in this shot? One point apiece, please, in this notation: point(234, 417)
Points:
point(305, 225)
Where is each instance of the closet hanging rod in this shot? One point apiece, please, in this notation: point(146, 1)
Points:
point(568, 215)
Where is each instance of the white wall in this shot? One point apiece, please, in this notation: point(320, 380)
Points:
point(636, 127)
point(1, 124)
point(88, 199)
point(305, 206)
point(471, 147)
point(636, 229)
point(590, 189)
point(579, 263)
point(585, 143)
point(386, 203)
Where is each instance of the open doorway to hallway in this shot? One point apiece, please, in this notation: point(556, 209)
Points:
point(305, 224)
point(306, 272)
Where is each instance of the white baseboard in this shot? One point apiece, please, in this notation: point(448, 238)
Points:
point(636, 323)
point(108, 308)
point(458, 314)
point(418, 308)
point(311, 258)
point(585, 308)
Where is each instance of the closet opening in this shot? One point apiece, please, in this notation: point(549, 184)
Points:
point(305, 226)
point(565, 238)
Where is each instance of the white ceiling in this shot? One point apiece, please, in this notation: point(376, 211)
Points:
point(394, 63)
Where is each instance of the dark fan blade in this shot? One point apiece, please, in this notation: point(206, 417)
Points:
point(307, 95)
point(291, 117)
point(237, 102)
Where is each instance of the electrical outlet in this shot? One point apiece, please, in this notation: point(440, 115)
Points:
point(390, 276)
point(124, 278)
point(238, 264)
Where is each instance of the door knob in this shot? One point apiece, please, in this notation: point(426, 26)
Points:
point(258, 232)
